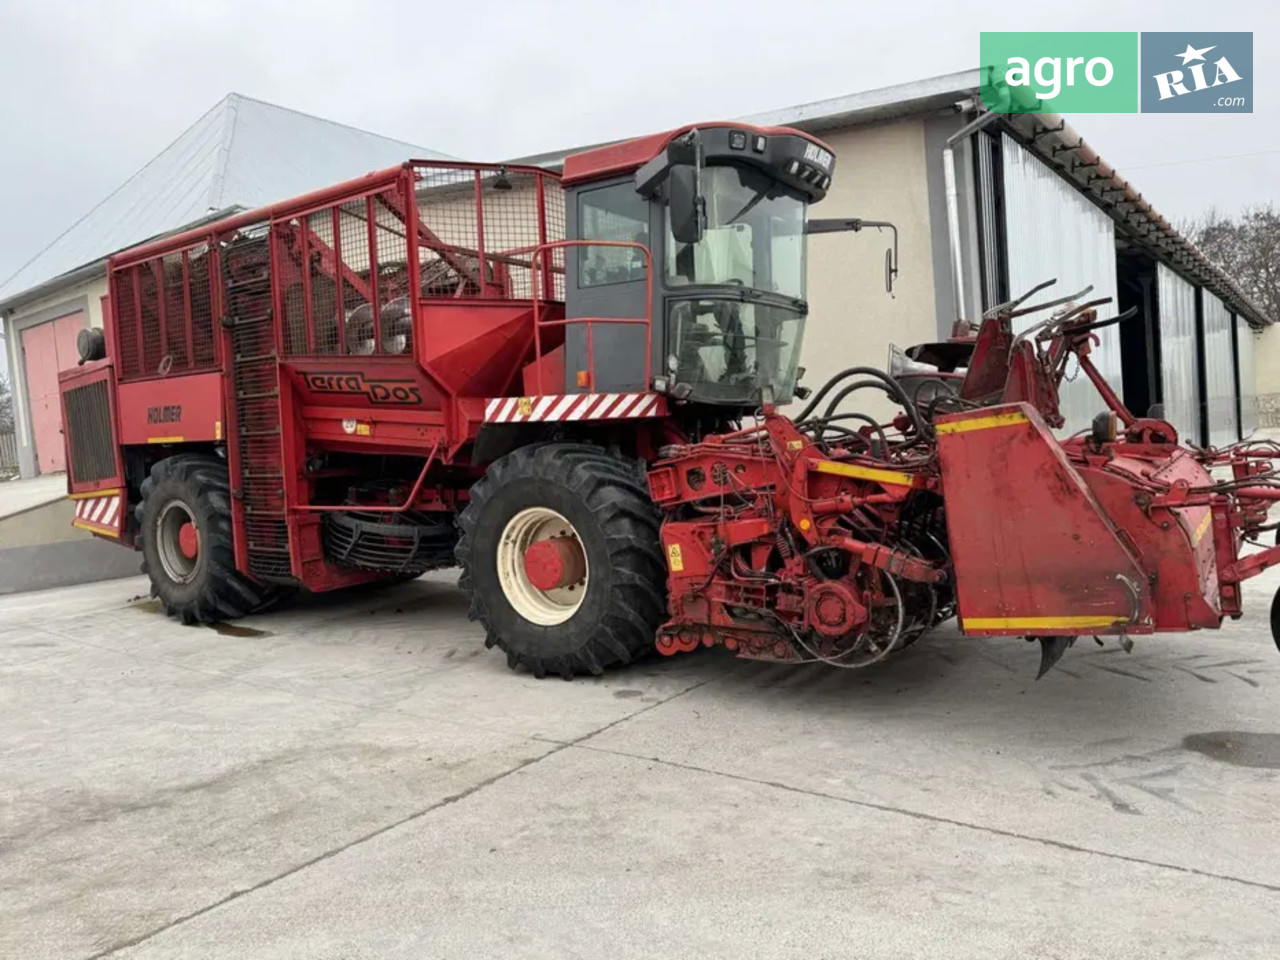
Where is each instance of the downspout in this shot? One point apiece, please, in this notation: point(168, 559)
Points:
point(953, 205)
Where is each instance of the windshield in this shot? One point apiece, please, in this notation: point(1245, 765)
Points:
point(754, 235)
point(727, 350)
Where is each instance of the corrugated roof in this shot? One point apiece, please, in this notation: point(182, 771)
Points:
point(242, 153)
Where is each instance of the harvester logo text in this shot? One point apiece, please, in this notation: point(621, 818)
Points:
point(166, 414)
point(355, 383)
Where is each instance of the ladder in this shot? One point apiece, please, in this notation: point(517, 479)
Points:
point(246, 269)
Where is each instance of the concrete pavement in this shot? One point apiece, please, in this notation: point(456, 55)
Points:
point(358, 777)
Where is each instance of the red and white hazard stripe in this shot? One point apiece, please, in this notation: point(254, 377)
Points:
point(577, 406)
point(101, 511)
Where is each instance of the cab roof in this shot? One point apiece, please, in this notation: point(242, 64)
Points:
point(633, 154)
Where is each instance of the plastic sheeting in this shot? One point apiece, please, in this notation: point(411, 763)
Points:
point(1179, 358)
point(1248, 378)
point(1219, 371)
point(1053, 231)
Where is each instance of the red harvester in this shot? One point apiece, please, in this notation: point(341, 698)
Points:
point(545, 379)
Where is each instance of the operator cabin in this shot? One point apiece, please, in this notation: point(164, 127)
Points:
point(1201, 348)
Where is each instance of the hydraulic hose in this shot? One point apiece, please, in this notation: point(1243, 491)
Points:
point(893, 388)
point(828, 423)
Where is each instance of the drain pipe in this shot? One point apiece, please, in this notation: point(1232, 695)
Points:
point(953, 204)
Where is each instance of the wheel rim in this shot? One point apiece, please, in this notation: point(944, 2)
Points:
point(544, 607)
point(178, 542)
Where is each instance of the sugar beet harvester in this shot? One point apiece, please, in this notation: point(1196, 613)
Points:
point(545, 379)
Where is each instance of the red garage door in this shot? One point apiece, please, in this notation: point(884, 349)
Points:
point(46, 349)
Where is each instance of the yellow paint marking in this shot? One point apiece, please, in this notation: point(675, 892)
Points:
point(1200, 530)
point(92, 493)
point(164, 439)
point(674, 560)
point(1040, 623)
point(982, 423)
point(94, 528)
point(864, 473)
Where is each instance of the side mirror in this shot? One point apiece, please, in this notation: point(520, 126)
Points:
point(684, 206)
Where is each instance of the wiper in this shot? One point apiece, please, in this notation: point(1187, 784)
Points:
point(750, 205)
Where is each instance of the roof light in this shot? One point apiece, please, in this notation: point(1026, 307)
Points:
point(737, 140)
point(758, 143)
point(793, 167)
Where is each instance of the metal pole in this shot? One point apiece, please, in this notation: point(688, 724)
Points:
point(953, 205)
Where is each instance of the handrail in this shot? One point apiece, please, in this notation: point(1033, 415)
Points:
point(536, 252)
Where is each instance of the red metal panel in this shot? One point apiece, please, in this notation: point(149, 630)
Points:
point(174, 410)
point(48, 348)
point(1034, 553)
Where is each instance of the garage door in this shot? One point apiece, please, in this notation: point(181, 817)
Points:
point(46, 349)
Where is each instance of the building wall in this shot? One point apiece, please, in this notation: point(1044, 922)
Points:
point(86, 296)
point(880, 175)
point(1266, 358)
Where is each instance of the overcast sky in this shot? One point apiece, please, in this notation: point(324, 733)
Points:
point(92, 90)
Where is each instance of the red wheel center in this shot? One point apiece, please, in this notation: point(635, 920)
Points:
point(189, 541)
point(555, 562)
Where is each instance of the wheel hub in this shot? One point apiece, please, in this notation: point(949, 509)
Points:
point(177, 541)
point(555, 562)
point(542, 566)
point(189, 541)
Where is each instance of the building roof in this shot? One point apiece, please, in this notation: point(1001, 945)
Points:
point(243, 153)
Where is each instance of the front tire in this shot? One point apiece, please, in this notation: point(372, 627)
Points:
point(185, 526)
point(610, 604)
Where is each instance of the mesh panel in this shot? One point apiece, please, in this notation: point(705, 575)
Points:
point(354, 272)
point(174, 312)
point(392, 277)
point(199, 270)
point(125, 308)
point(164, 315)
point(317, 239)
point(150, 308)
point(516, 211)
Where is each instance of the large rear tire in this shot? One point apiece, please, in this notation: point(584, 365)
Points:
point(185, 526)
point(597, 503)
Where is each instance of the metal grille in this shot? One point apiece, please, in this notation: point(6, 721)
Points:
point(93, 450)
point(346, 276)
point(164, 315)
point(247, 299)
point(476, 228)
